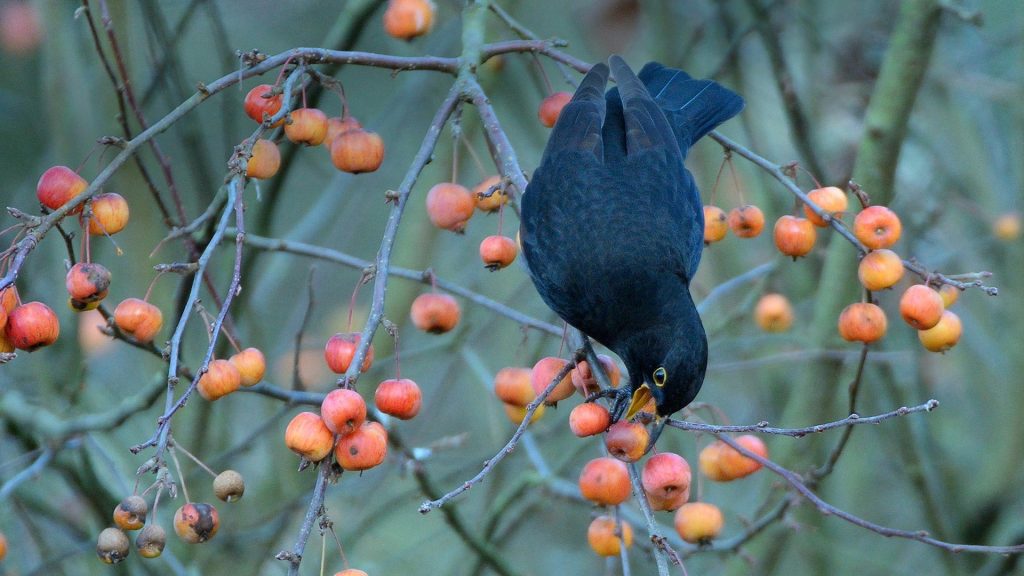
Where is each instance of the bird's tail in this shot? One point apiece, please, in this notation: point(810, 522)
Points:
point(693, 107)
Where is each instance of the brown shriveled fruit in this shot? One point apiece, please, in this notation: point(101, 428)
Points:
point(229, 486)
point(196, 522)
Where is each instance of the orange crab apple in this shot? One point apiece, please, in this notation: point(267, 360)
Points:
point(830, 199)
point(58, 186)
point(32, 326)
point(400, 398)
point(340, 350)
point(794, 236)
point(551, 108)
point(139, 319)
point(716, 224)
point(544, 372)
point(877, 227)
point(343, 411)
point(450, 206)
point(746, 221)
point(862, 322)
point(605, 481)
point(589, 419)
point(309, 437)
point(308, 126)
point(435, 313)
point(880, 269)
point(357, 151)
point(602, 535)
point(221, 378)
point(109, 214)
point(921, 306)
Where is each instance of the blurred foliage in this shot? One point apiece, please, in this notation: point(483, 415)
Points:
point(956, 472)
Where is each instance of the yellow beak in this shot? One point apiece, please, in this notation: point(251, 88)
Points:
point(641, 397)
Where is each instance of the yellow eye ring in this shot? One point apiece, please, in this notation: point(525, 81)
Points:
point(660, 376)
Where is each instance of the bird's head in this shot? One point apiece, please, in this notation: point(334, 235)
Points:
point(667, 364)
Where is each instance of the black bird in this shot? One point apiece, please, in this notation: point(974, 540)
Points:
point(613, 226)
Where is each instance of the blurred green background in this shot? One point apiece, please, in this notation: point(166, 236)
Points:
point(956, 473)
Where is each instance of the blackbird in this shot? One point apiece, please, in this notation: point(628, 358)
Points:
point(612, 225)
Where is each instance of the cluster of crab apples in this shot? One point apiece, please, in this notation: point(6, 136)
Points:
point(31, 325)
point(194, 522)
point(605, 481)
point(922, 306)
point(342, 425)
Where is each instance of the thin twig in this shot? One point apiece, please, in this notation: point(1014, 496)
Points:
point(763, 427)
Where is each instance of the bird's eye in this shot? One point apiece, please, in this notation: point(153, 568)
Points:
point(660, 375)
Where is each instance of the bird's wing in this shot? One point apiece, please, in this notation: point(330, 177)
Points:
point(579, 124)
point(645, 124)
point(693, 107)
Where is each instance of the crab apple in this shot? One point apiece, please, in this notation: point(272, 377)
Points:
point(340, 350)
point(746, 221)
point(138, 318)
point(130, 513)
point(943, 335)
point(450, 206)
point(877, 227)
point(666, 481)
point(709, 459)
point(151, 541)
point(400, 398)
point(516, 414)
point(251, 365)
point(9, 298)
point(551, 108)
point(497, 252)
point(343, 410)
point(773, 313)
point(309, 437)
point(196, 522)
point(229, 486)
point(605, 481)
point(950, 294)
point(20, 28)
point(830, 199)
point(407, 19)
point(265, 160)
point(495, 200)
point(794, 236)
point(514, 386)
point(221, 378)
point(435, 313)
point(698, 522)
point(733, 465)
point(58, 186)
point(584, 379)
point(339, 125)
point(3, 546)
point(256, 106)
point(363, 449)
point(351, 572)
point(544, 372)
point(627, 441)
point(589, 419)
point(862, 322)
point(109, 214)
point(112, 545)
point(3, 319)
point(716, 224)
point(1007, 227)
point(602, 537)
point(32, 326)
point(357, 151)
point(921, 306)
point(87, 282)
point(308, 126)
point(880, 269)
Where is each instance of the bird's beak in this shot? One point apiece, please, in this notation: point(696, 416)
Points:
point(641, 397)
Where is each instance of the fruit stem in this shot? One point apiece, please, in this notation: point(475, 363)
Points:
point(151, 284)
point(195, 459)
point(181, 477)
point(735, 180)
point(543, 74)
point(718, 177)
point(474, 156)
